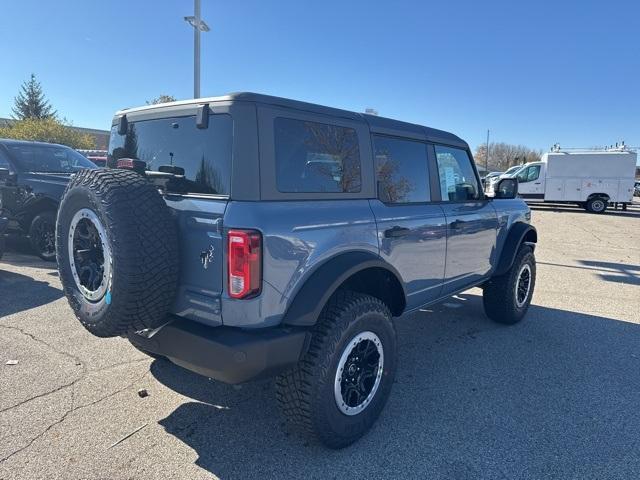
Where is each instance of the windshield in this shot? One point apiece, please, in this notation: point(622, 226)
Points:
point(512, 170)
point(204, 154)
point(48, 159)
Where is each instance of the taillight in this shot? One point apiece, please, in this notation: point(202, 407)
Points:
point(244, 254)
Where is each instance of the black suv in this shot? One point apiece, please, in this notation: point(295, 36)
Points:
point(33, 176)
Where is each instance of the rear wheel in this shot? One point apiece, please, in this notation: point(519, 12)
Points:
point(507, 297)
point(339, 388)
point(42, 235)
point(596, 205)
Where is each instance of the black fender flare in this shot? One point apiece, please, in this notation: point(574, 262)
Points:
point(520, 232)
point(33, 206)
point(309, 301)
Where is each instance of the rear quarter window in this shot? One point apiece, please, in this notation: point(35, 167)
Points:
point(204, 154)
point(316, 157)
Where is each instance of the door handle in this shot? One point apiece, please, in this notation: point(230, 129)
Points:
point(537, 183)
point(395, 232)
point(456, 224)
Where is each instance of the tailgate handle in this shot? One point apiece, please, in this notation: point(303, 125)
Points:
point(203, 223)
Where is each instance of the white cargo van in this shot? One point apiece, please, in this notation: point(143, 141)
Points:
point(590, 178)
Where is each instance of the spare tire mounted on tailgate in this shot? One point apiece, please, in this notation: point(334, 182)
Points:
point(117, 250)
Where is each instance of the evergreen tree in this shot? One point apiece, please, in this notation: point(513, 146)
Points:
point(31, 102)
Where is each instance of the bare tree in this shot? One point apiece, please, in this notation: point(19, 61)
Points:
point(342, 144)
point(161, 99)
point(504, 155)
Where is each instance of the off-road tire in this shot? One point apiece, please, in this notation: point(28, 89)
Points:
point(42, 235)
point(499, 295)
point(142, 235)
point(305, 393)
point(596, 205)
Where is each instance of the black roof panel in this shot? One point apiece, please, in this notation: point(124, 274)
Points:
point(376, 123)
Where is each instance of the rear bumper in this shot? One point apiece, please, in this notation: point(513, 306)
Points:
point(228, 354)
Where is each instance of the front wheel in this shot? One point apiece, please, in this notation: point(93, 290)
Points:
point(507, 297)
point(596, 205)
point(339, 388)
point(42, 235)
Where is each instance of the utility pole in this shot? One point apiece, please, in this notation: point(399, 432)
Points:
point(198, 25)
point(486, 158)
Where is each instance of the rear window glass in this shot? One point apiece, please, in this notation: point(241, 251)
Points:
point(48, 159)
point(204, 154)
point(316, 157)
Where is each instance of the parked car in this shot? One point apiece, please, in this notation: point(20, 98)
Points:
point(247, 236)
point(33, 176)
point(636, 189)
point(506, 174)
point(489, 176)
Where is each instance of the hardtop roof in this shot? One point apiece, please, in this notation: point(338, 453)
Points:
point(373, 121)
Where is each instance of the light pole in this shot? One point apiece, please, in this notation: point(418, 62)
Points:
point(198, 25)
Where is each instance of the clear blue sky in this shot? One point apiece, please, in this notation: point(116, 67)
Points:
point(533, 72)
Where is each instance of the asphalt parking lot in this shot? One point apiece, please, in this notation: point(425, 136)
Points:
point(556, 396)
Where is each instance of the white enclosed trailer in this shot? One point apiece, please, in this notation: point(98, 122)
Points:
point(590, 178)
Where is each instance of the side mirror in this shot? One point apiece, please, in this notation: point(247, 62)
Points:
point(506, 188)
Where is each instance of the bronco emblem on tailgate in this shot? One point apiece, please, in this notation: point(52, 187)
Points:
point(206, 256)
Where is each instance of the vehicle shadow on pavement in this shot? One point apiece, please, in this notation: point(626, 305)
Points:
point(20, 292)
point(563, 208)
point(608, 271)
point(19, 253)
point(554, 396)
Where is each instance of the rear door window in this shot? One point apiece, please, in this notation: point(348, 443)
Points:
point(316, 157)
point(458, 182)
point(204, 154)
point(401, 170)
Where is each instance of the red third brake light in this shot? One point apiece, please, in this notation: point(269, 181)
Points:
point(132, 164)
point(244, 255)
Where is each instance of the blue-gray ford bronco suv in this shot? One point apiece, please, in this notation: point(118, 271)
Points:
point(246, 236)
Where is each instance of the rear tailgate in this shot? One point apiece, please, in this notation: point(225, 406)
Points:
point(201, 258)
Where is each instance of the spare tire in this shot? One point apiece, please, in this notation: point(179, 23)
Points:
point(117, 251)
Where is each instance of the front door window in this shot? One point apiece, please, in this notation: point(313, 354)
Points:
point(458, 181)
point(529, 174)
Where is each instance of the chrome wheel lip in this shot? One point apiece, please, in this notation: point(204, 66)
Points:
point(100, 292)
point(523, 275)
point(337, 384)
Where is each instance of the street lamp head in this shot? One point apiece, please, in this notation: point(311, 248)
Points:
point(203, 27)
